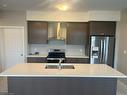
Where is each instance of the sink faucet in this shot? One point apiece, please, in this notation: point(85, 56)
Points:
point(59, 65)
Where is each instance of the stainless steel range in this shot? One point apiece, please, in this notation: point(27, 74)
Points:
point(56, 56)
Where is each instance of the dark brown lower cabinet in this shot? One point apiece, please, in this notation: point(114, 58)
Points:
point(61, 86)
point(36, 59)
point(78, 60)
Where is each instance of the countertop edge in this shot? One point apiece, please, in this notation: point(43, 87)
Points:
point(120, 77)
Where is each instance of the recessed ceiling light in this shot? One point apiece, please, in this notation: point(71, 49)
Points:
point(62, 7)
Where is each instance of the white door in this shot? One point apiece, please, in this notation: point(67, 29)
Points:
point(14, 46)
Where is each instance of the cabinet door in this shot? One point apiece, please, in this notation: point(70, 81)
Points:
point(37, 32)
point(77, 33)
point(36, 60)
point(33, 86)
point(102, 28)
point(77, 60)
point(71, 86)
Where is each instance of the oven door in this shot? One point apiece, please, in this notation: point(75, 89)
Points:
point(54, 57)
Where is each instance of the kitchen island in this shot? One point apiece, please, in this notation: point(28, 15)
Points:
point(84, 79)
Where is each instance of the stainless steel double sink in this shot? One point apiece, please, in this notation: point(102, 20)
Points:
point(57, 66)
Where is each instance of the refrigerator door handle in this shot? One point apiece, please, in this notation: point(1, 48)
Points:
point(101, 51)
point(91, 52)
point(104, 50)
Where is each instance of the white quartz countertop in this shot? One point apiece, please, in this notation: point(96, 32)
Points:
point(81, 70)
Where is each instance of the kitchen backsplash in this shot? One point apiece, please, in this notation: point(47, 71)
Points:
point(74, 50)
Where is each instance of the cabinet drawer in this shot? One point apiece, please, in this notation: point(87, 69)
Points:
point(77, 60)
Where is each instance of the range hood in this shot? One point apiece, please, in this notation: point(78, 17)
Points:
point(57, 32)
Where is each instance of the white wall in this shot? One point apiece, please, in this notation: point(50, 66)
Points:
point(12, 18)
point(0, 17)
point(122, 44)
point(117, 44)
point(104, 15)
point(74, 16)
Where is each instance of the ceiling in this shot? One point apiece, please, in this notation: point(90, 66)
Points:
point(74, 5)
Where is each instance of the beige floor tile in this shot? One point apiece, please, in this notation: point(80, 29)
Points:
point(121, 88)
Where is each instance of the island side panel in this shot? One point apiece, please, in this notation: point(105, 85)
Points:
point(61, 86)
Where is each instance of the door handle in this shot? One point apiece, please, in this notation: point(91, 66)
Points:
point(101, 50)
point(21, 55)
point(91, 52)
point(104, 50)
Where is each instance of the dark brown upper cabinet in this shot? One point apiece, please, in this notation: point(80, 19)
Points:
point(77, 33)
point(37, 32)
point(106, 28)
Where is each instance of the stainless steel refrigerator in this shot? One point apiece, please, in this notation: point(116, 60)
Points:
point(102, 50)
